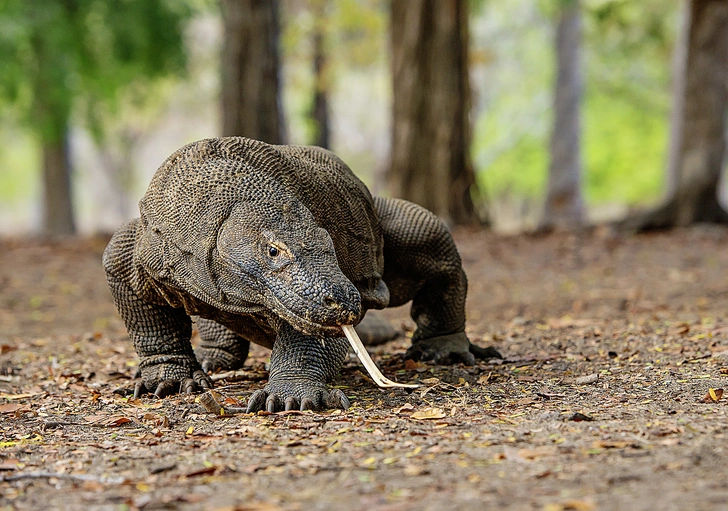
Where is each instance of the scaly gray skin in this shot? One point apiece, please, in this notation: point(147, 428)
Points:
point(280, 246)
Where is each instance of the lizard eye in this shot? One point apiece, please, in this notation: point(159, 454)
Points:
point(273, 251)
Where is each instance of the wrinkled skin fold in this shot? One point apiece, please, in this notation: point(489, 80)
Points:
point(279, 246)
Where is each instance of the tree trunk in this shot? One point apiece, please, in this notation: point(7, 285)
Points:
point(251, 100)
point(57, 194)
point(564, 204)
point(679, 67)
point(320, 110)
point(430, 161)
point(703, 138)
point(50, 111)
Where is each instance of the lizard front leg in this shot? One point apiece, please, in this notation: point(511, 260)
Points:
point(300, 367)
point(160, 333)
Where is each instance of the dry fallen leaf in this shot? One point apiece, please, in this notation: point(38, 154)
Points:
point(713, 396)
point(202, 472)
point(610, 444)
point(105, 420)
point(405, 408)
point(14, 407)
point(484, 378)
point(12, 397)
point(429, 413)
point(250, 506)
point(415, 470)
point(571, 505)
point(580, 417)
point(411, 365)
point(586, 380)
point(9, 464)
point(539, 452)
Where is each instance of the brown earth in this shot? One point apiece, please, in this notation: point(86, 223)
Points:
point(609, 398)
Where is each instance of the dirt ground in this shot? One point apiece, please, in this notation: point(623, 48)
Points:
point(609, 397)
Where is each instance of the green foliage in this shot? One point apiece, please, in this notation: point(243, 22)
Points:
point(55, 54)
point(519, 171)
point(624, 150)
point(18, 153)
point(626, 61)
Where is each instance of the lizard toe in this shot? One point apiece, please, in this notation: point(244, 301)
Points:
point(139, 389)
point(188, 386)
point(443, 350)
point(337, 399)
point(272, 404)
point(484, 353)
point(257, 401)
point(292, 403)
point(166, 388)
point(308, 404)
point(202, 380)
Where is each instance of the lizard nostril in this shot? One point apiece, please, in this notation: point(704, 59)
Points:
point(330, 303)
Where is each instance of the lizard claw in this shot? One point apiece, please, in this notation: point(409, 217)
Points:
point(257, 401)
point(449, 349)
point(311, 399)
point(139, 389)
point(166, 388)
point(292, 403)
point(218, 359)
point(167, 379)
point(272, 403)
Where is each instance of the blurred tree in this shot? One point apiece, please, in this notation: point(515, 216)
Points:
point(57, 55)
point(327, 46)
point(564, 205)
point(430, 161)
point(679, 67)
point(625, 102)
point(320, 109)
point(702, 137)
point(251, 98)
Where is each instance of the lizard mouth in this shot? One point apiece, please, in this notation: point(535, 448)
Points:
point(306, 325)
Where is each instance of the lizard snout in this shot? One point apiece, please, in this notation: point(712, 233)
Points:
point(342, 304)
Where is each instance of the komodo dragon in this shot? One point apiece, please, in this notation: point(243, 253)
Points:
point(280, 246)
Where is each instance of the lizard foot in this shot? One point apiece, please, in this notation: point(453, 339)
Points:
point(219, 359)
point(296, 395)
point(449, 349)
point(167, 375)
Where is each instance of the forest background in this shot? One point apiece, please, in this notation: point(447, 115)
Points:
point(133, 96)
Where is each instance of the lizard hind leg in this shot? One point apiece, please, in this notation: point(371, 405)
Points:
point(422, 265)
point(220, 348)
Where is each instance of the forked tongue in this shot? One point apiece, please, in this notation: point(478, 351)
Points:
point(369, 364)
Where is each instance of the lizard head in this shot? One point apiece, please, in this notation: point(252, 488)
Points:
point(276, 256)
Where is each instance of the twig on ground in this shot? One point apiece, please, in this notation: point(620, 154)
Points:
point(212, 405)
point(58, 475)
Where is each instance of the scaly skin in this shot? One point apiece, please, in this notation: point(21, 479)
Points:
point(221, 348)
point(280, 246)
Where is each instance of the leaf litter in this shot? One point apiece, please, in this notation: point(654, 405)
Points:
point(611, 386)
